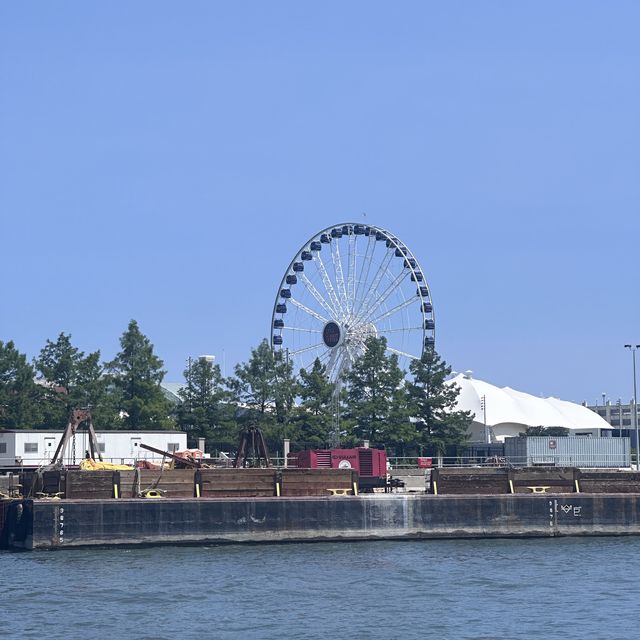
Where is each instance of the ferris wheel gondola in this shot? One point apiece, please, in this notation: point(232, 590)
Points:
point(346, 283)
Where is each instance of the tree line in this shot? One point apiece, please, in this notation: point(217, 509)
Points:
point(377, 401)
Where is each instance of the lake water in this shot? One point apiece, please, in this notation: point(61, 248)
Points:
point(539, 588)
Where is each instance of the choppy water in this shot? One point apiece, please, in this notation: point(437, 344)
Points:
point(562, 588)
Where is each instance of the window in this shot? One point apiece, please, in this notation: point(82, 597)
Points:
point(31, 447)
point(101, 447)
point(172, 446)
point(3, 447)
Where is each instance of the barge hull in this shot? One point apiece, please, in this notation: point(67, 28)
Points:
point(50, 524)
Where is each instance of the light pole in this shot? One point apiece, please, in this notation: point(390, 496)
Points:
point(633, 349)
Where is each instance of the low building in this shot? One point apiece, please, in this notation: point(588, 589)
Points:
point(501, 412)
point(32, 448)
point(567, 451)
point(619, 416)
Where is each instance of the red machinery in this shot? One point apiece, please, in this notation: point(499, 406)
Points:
point(371, 464)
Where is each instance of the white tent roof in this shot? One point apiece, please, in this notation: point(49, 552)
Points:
point(508, 406)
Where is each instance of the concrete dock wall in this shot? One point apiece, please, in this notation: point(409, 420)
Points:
point(34, 524)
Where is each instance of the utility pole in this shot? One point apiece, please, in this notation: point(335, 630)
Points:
point(483, 406)
point(619, 403)
point(633, 349)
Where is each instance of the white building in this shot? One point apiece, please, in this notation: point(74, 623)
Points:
point(509, 412)
point(32, 448)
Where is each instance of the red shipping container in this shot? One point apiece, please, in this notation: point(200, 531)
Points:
point(367, 462)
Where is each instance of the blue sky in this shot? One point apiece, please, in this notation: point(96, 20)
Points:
point(164, 161)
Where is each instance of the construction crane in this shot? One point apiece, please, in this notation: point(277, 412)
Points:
point(181, 462)
point(78, 416)
point(252, 450)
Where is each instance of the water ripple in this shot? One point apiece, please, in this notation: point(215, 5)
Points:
point(460, 589)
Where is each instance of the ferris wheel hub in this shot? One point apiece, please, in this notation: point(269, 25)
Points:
point(332, 334)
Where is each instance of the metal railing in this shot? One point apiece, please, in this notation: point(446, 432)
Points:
point(398, 463)
point(611, 461)
point(559, 460)
point(416, 462)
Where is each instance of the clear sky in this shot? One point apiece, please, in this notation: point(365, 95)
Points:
point(164, 161)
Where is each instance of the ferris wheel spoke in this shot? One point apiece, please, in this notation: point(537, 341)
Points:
point(322, 358)
point(328, 285)
point(337, 267)
point(316, 294)
point(402, 353)
point(306, 309)
point(399, 307)
point(334, 354)
point(339, 365)
point(301, 329)
point(350, 357)
point(382, 269)
point(297, 352)
point(351, 272)
point(366, 261)
point(395, 283)
point(354, 351)
point(399, 330)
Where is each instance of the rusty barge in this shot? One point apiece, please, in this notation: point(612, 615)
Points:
point(199, 506)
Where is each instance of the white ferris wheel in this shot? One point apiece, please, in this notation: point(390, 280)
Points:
point(346, 283)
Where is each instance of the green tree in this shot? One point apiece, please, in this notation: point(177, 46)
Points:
point(72, 380)
point(375, 402)
point(20, 396)
point(545, 431)
point(136, 374)
point(431, 403)
point(313, 418)
point(205, 410)
point(253, 385)
point(265, 389)
point(96, 391)
point(287, 388)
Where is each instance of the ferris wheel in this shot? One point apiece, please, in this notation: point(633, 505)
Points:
point(347, 283)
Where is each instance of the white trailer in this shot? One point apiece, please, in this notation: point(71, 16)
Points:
point(25, 448)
